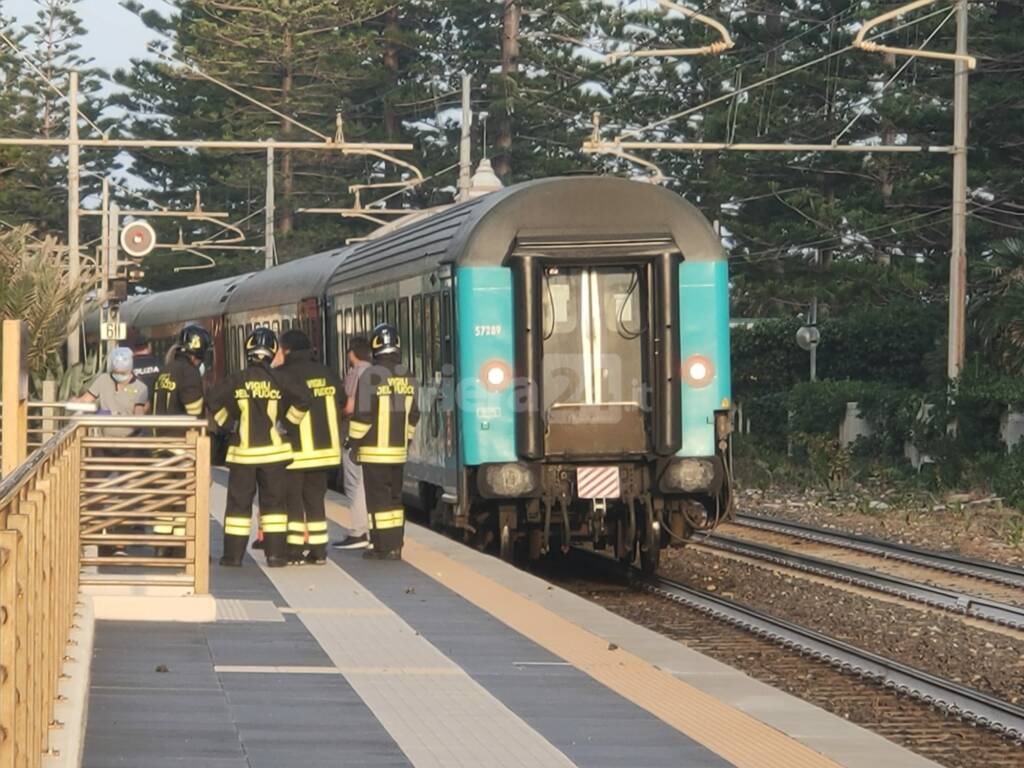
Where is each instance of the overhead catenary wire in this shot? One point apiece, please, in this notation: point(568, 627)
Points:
point(798, 249)
point(53, 86)
point(636, 132)
point(241, 94)
point(864, 108)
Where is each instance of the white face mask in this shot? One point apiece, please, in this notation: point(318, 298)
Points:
point(120, 378)
point(202, 369)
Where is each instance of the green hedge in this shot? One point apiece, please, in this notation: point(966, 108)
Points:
point(895, 344)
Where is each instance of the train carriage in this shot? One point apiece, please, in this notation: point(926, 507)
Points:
point(571, 338)
point(287, 296)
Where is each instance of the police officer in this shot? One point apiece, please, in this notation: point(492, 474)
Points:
point(257, 402)
point(384, 421)
point(179, 389)
point(147, 366)
point(316, 446)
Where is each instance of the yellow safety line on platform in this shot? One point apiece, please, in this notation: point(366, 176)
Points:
point(737, 737)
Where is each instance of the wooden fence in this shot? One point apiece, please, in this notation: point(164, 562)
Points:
point(90, 507)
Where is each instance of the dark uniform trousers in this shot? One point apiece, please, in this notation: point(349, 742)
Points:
point(382, 484)
point(243, 481)
point(307, 515)
point(384, 422)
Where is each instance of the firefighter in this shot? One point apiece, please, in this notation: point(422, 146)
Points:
point(382, 425)
point(316, 447)
point(178, 391)
point(259, 403)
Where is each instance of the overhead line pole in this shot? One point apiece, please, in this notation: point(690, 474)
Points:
point(465, 139)
point(958, 251)
point(270, 247)
point(74, 177)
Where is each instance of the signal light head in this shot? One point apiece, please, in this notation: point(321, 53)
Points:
point(698, 371)
point(496, 375)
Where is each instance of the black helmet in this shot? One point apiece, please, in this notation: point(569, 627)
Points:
point(261, 344)
point(385, 340)
point(194, 340)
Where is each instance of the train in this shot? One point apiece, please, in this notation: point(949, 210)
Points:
point(570, 337)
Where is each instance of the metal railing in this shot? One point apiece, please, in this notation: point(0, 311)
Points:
point(144, 500)
point(89, 507)
point(38, 592)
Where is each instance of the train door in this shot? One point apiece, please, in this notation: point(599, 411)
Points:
point(447, 393)
point(594, 325)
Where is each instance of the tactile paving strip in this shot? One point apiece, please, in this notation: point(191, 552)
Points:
point(229, 609)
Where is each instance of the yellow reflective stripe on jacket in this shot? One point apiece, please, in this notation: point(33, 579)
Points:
point(221, 417)
point(268, 454)
point(295, 415)
point(194, 408)
point(391, 518)
point(275, 438)
point(383, 420)
point(316, 539)
point(296, 539)
point(332, 424)
point(357, 429)
point(374, 455)
point(296, 527)
point(243, 424)
point(328, 457)
point(317, 526)
point(237, 526)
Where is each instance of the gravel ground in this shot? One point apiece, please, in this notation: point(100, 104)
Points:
point(897, 718)
point(929, 640)
point(985, 531)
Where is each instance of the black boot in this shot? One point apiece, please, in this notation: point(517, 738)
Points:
point(234, 550)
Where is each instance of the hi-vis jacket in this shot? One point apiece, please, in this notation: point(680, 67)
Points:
point(317, 442)
point(386, 413)
point(178, 391)
point(256, 400)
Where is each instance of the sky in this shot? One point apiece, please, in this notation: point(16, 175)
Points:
point(114, 36)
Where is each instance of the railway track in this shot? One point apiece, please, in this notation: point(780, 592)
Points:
point(951, 698)
point(941, 561)
point(938, 597)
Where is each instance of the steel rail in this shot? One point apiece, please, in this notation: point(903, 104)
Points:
point(943, 561)
point(938, 597)
point(949, 697)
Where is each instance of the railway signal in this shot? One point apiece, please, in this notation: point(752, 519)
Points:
point(138, 239)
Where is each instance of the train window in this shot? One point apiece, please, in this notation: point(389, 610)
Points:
point(417, 335)
point(403, 332)
point(349, 327)
point(391, 313)
point(378, 313)
point(435, 334)
point(367, 319)
point(276, 326)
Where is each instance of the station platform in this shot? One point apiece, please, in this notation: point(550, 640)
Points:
point(448, 658)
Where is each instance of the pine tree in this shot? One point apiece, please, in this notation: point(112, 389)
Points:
point(37, 184)
point(299, 57)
